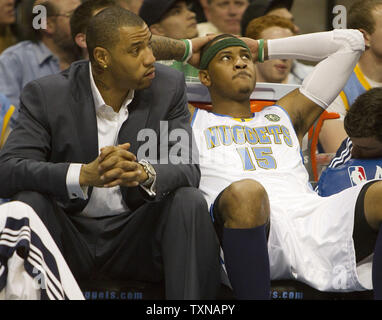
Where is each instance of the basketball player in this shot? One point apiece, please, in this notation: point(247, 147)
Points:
point(254, 179)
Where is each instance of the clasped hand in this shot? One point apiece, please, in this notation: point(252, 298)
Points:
point(115, 166)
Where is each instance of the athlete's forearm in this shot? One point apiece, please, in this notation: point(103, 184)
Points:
point(315, 46)
point(342, 50)
point(167, 49)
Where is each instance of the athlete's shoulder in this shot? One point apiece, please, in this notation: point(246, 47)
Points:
point(273, 113)
point(276, 108)
point(197, 115)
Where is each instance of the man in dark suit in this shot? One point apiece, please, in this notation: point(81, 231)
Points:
point(73, 158)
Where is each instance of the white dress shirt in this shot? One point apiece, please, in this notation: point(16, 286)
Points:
point(103, 201)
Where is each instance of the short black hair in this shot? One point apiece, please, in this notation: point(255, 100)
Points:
point(103, 30)
point(80, 19)
point(364, 117)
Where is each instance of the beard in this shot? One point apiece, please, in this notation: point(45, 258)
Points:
point(245, 90)
point(67, 45)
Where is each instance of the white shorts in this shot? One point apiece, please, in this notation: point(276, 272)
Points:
point(311, 241)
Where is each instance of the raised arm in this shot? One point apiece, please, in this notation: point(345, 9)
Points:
point(340, 50)
point(167, 49)
point(171, 49)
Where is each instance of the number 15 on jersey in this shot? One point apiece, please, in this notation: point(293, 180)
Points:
point(263, 156)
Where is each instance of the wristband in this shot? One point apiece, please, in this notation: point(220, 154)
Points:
point(261, 50)
point(188, 52)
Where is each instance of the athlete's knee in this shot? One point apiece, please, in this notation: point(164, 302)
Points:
point(244, 204)
point(246, 192)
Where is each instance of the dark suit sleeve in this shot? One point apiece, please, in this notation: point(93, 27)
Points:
point(187, 173)
point(24, 160)
point(170, 175)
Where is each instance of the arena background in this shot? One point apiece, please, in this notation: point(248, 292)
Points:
point(316, 15)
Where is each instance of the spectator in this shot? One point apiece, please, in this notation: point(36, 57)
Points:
point(83, 13)
point(366, 16)
point(223, 16)
point(132, 5)
point(172, 19)
point(7, 18)
point(52, 52)
point(81, 17)
point(76, 159)
point(282, 8)
point(259, 8)
point(273, 27)
point(169, 18)
point(197, 7)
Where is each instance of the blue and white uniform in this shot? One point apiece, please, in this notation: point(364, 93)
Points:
point(310, 236)
point(343, 154)
point(42, 272)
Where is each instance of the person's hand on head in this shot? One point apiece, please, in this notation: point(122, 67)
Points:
point(197, 44)
point(253, 45)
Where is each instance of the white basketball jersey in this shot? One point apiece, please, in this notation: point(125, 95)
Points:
point(264, 148)
point(310, 236)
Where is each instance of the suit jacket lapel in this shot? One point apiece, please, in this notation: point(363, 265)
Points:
point(138, 117)
point(84, 112)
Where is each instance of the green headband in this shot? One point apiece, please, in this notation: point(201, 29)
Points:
point(219, 45)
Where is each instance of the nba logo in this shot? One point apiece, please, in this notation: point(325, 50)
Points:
point(357, 175)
